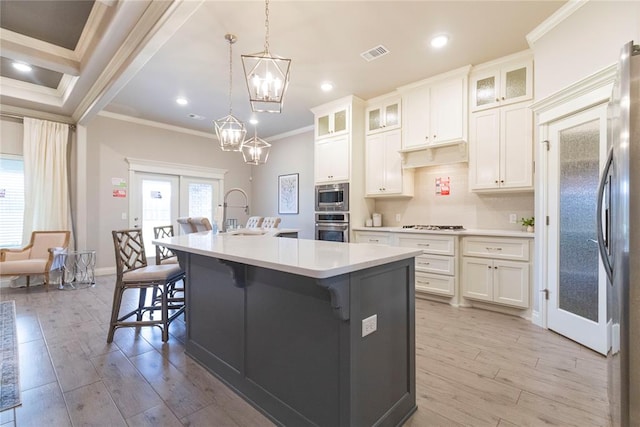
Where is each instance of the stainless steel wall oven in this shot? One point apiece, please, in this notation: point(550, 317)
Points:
point(332, 226)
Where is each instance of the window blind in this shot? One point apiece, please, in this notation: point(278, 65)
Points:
point(11, 201)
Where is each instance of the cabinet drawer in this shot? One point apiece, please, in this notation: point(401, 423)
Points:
point(514, 249)
point(432, 244)
point(373, 237)
point(435, 264)
point(435, 284)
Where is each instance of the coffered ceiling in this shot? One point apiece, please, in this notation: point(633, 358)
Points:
point(133, 58)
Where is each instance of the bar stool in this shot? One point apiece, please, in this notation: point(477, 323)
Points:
point(254, 222)
point(134, 273)
point(271, 222)
point(200, 223)
point(165, 255)
point(185, 225)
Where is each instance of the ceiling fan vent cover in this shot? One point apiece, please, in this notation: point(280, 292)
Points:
point(374, 53)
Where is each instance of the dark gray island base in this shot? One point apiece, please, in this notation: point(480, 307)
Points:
point(292, 345)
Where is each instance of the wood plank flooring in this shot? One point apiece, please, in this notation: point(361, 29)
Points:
point(473, 368)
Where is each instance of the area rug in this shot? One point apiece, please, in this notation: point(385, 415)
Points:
point(9, 361)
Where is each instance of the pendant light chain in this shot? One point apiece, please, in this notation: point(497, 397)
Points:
point(266, 26)
point(231, 41)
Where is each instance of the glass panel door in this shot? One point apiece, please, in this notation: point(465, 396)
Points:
point(201, 197)
point(516, 83)
point(579, 174)
point(576, 280)
point(154, 203)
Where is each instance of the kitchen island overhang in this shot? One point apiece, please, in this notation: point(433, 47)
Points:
point(280, 322)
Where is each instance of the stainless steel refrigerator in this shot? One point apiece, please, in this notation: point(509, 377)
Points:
point(619, 239)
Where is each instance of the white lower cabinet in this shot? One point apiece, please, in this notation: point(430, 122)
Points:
point(496, 270)
point(436, 267)
point(376, 237)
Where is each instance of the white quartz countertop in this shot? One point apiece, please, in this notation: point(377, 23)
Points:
point(466, 232)
point(312, 258)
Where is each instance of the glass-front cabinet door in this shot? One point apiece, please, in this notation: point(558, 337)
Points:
point(333, 123)
point(502, 85)
point(382, 117)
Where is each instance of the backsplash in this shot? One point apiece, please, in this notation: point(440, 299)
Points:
point(460, 207)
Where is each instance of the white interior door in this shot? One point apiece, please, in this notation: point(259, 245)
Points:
point(576, 279)
point(154, 203)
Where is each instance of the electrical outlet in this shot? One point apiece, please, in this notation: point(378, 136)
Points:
point(513, 218)
point(369, 325)
point(398, 217)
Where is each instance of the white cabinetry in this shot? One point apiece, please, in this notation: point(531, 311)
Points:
point(332, 159)
point(383, 167)
point(435, 111)
point(375, 237)
point(501, 149)
point(436, 267)
point(383, 115)
point(502, 82)
point(496, 270)
point(332, 121)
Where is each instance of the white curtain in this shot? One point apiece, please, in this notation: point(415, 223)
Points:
point(47, 204)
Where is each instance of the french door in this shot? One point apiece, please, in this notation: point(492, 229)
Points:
point(159, 199)
point(155, 201)
point(576, 279)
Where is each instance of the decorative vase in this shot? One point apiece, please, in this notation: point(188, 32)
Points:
point(529, 228)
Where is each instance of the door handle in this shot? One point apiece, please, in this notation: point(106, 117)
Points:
point(606, 259)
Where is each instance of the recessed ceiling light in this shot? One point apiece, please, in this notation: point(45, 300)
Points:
point(326, 86)
point(21, 66)
point(439, 41)
point(253, 121)
point(181, 101)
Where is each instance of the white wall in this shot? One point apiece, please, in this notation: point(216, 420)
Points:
point(461, 207)
point(293, 154)
point(110, 141)
point(587, 41)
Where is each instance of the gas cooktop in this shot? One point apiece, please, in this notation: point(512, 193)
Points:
point(435, 227)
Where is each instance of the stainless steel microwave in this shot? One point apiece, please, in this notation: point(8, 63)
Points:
point(332, 197)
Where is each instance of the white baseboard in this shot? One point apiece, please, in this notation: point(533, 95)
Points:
point(536, 319)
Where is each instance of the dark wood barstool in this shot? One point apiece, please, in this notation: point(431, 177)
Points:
point(132, 272)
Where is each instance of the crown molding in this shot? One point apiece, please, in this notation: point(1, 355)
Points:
point(554, 20)
point(158, 125)
point(25, 112)
point(290, 133)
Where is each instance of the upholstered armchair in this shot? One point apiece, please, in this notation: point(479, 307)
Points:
point(36, 258)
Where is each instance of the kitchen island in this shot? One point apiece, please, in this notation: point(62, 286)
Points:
point(281, 322)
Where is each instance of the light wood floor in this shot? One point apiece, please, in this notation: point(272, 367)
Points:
point(473, 368)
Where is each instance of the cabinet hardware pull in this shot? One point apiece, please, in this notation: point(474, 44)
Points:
point(374, 240)
point(502, 181)
point(493, 249)
point(424, 283)
point(488, 266)
point(497, 100)
point(426, 137)
point(423, 244)
point(496, 181)
point(503, 98)
point(495, 268)
point(424, 263)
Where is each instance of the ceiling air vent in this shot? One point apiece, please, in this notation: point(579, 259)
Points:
point(374, 53)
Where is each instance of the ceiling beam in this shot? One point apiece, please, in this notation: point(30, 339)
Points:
point(39, 53)
point(157, 25)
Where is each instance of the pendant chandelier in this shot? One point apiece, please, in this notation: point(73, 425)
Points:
point(255, 151)
point(230, 131)
point(267, 76)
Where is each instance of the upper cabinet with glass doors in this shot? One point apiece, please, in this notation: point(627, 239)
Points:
point(501, 83)
point(333, 122)
point(383, 115)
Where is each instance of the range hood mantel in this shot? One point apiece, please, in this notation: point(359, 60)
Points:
point(434, 154)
